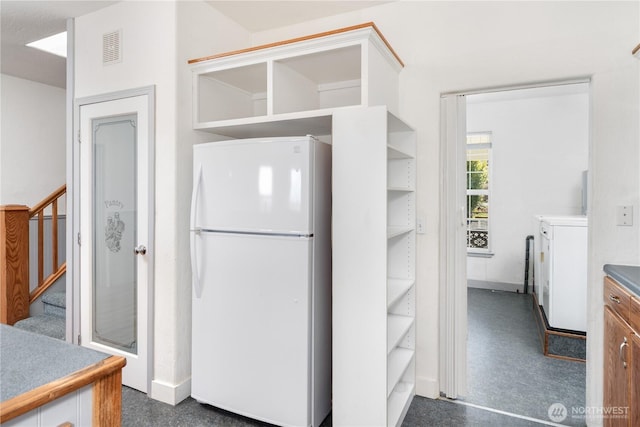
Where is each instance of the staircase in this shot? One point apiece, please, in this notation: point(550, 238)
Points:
point(16, 292)
point(52, 321)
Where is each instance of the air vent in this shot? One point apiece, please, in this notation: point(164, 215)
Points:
point(111, 48)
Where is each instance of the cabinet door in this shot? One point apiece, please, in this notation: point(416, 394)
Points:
point(617, 369)
point(634, 396)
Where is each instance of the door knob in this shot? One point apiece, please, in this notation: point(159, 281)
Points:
point(140, 250)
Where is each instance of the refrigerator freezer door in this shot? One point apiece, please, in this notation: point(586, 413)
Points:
point(254, 185)
point(252, 328)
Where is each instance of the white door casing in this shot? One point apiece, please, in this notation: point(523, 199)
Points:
point(115, 233)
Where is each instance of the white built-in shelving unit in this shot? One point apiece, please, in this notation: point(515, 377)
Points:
point(374, 246)
point(293, 87)
point(342, 84)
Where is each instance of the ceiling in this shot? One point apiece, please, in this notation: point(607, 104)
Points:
point(25, 21)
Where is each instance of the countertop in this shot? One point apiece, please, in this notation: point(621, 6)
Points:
point(627, 275)
point(29, 360)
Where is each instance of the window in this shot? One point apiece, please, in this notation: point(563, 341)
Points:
point(478, 180)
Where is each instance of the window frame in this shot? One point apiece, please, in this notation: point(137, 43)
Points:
point(480, 252)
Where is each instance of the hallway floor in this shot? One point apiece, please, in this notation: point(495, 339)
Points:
point(506, 368)
point(507, 374)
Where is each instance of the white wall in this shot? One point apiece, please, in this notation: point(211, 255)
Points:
point(157, 39)
point(148, 58)
point(32, 141)
point(540, 145)
point(458, 46)
point(447, 46)
point(199, 34)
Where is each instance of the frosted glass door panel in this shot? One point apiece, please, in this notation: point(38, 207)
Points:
point(114, 216)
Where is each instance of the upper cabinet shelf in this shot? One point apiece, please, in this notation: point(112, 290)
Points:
point(245, 93)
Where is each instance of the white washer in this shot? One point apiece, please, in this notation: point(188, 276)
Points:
point(562, 285)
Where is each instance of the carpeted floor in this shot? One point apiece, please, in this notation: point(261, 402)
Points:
point(140, 411)
point(507, 373)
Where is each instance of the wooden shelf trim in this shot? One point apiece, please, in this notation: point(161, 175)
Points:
point(301, 39)
point(19, 405)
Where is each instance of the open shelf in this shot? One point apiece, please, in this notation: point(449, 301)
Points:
point(397, 327)
point(401, 209)
point(326, 79)
point(396, 289)
point(395, 231)
point(398, 402)
point(317, 123)
point(401, 174)
point(398, 361)
point(240, 93)
point(396, 153)
point(344, 68)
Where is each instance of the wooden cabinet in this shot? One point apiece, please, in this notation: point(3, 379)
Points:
point(373, 270)
point(621, 406)
point(616, 365)
point(634, 392)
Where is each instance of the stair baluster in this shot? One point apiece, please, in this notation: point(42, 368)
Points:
point(14, 255)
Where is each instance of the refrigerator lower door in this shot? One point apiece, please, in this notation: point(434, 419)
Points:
point(252, 328)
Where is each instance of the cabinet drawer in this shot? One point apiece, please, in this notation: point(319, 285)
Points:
point(616, 297)
point(634, 314)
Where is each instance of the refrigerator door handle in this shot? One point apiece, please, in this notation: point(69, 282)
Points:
point(194, 233)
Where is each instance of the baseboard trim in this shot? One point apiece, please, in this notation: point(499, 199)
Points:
point(427, 387)
point(170, 393)
point(497, 286)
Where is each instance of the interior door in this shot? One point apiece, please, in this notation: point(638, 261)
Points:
point(453, 247)
point(115, 258)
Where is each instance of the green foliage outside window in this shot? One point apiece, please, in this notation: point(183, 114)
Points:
point(477, 179)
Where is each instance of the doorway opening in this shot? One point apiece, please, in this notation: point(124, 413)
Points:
point(531, 161)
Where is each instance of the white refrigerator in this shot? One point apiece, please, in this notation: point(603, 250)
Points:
point(261, 268)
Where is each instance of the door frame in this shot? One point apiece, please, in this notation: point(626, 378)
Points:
point(452, 333)
point(73, 196)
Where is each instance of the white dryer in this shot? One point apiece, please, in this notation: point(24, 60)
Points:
point(562, 280)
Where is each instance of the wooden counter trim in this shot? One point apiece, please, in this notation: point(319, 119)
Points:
point(301, 39)
point(107, 400)
point(106, 375)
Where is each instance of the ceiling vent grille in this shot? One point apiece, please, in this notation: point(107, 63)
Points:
point(111, 48)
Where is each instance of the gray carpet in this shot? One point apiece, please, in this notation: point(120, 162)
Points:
point(140, 411)
point(52, 322)
point(506, 368)
point(507, 372)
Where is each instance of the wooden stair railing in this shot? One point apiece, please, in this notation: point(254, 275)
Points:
point(57, 270)
point(14, 256)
